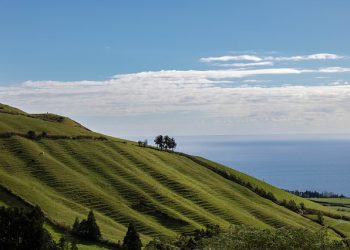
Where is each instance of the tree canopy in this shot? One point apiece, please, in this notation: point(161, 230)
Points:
point(165, 142)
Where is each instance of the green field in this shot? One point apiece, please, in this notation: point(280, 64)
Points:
point(340, 204)
point(163, 193)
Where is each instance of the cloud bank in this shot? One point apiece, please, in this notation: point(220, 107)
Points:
point(220, 97)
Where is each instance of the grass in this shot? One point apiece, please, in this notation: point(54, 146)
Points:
point(339, 204)
point(163, 193)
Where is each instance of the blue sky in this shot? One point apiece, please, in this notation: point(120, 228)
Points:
point(180, 67)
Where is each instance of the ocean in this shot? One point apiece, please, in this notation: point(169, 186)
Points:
point(320, 163)
point(302, 163)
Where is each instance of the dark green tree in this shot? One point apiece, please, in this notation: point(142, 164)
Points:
point(173, 143)
point(167, 142)
point(132, 239)
point(159, 141)
point(87, 228)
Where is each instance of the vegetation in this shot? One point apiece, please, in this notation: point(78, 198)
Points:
point(23, 230)
point(340, 204)
point(315, 194)
point(87, 228)
point(132, 239)
point(250, 238)
point(165, 142)
point(163, 194)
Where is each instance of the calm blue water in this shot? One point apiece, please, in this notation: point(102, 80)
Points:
point(297, 163)
point(303, 163)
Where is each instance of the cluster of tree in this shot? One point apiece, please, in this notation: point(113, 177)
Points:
point(249, 238)
point(143, 143)
point(87, 228)
point(165, 142)
point(21, 229)
point(315, 194)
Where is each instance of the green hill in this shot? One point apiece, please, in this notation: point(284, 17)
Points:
point(67, 170)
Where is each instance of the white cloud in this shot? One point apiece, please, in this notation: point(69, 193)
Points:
point(181, 91)
point(334, 70)
point(244, 64)
point(269, 59)
point(209, 93)
point(231, 58)
point(256, 81)
point(312, 57)
point(198, 75)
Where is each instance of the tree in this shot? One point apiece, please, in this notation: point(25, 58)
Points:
point(87, 228)
point(173, 143)
point(132, 239)
point(140, 143)
point(167, 142)
point(159, 141)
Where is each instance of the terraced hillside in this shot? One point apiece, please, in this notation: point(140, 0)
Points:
point(70, 170)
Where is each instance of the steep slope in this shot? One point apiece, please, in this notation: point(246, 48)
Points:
point(163, 193)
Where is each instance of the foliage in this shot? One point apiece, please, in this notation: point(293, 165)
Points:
point(132, 239)
point(243, 237)
point(31, 134)
point(87, 228)
point(23, 230)
point(159, 141)
point(165, 142)
point(315, 194)
point(249, 238)
point(143, 143)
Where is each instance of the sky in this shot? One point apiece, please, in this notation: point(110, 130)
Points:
point(128, 68)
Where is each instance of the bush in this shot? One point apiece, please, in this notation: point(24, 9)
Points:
point(31, 135)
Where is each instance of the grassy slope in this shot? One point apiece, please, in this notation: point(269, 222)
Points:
point(340, 204)
point(163, 193)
